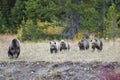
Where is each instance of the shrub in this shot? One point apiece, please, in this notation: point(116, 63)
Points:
point(9, 29)
point(53, 30)
point(109, 74)
point(78, 36)
point(39, 31)
point(28, 31)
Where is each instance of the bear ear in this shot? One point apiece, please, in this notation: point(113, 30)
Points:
point(50, 42)
point(55, 42)
point(95, 39)
point(82, 40)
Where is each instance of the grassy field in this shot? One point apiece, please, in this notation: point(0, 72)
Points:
point(31, 51)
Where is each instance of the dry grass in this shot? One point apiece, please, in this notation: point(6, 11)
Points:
point(31, 51)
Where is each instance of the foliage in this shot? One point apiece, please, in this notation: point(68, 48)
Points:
point(78, 36)
point(17, 13)
point(40, 31)
point(109, 74)
point(28, 31)
point(93, 16)
point(11, 15)
point(111, 22)
point(40, 9)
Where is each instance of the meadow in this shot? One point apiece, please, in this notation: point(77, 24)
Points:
point(39, 51)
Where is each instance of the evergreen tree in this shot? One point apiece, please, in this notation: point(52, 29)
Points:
point(112, 25)
point(17, 13)
point(40, 10)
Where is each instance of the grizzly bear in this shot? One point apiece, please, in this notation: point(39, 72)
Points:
point(83, 44)
point(64, 45)
point(96, 44)
point(14, 48)
point(54, 46)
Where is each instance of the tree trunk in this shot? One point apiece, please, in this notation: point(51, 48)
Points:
point(73, 24)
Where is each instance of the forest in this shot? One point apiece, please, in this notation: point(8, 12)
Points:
point(32, 29)
point(55, 19)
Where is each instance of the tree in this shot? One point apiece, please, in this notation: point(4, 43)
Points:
point(17, 13)
point(112, 25)
point(40, 10)
point(78, 15)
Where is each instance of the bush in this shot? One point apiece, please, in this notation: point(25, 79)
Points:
point(109, 74)
point(28, 31)
point(40, 31)
point(78, 36)
point(10, 29)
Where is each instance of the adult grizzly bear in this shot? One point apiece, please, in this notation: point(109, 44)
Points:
point(14, 48)
point(97, 44)
point(54, 46)
point(83, 44)
point(64, 45)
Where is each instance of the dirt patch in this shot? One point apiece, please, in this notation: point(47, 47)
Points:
point(41, 70)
